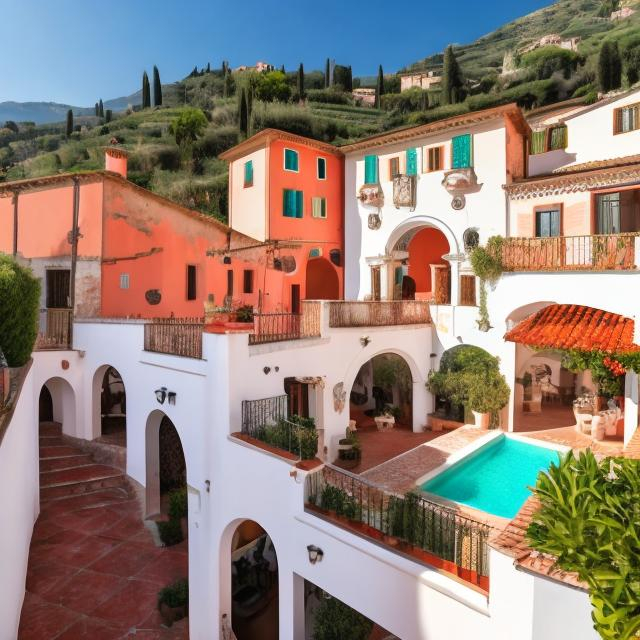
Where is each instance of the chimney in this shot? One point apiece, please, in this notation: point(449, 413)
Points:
point(115, 160)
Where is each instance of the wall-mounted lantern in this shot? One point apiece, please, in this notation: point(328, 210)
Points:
point(315, 553)
point(161, 394)
point(171, 397)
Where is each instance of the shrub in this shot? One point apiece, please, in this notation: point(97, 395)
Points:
point(245, 313)
point(487, 261)
point(546, 61)
point(329, 96)
point(188, 125)
point(214, 142)
point(334, 620)
point(588, 520)
point(19, 305)
point(297, 435)
point(170, 532)
point(167, 158)
point(178, 504)
point(175, 595)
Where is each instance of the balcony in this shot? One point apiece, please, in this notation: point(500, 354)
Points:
point(175, 336)
point(279, 327)
point(349, 313)
point(616, 252)
point(55, 330)
point(428, 532)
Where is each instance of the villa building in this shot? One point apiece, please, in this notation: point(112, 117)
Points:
point(360, 262)
point(422, 79)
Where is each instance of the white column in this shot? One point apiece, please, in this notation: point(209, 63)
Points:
point(422, 403)
point(630, 405)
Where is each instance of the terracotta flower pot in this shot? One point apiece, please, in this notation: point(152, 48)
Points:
point(481, 420)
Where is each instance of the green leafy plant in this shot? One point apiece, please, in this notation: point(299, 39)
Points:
point(178, 504)
point(609, 384)
point(589, 521)
point(244, 313)
point(170, 532)
point(19, 304)
point(297, 435)
point(175, 595)
point(334, 620)
point(486, 263)
point(188, 126)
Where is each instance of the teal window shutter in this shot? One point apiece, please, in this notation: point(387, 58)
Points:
point(248, 173)
point(290, 160)
point(298, 209)
point(461, 152)
point(322, 169)
point(371, 169)
point(289, 204)
point(412, 162)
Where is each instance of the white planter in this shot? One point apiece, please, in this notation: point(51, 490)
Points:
point(481, 420)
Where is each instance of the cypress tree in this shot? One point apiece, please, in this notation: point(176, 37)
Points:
point(97, 110)
point(451, 78)
point(243, 119)
point(146, 91)
point(300, 82)
point(101, 109)
point(616, 66)
point(249, 108)
point(157, 87)
point(69, 129)
point(327, 71)
point(349, 83)
point(108, 114)
point(282, 70)
point(604, 67)
point(208, 67)
point(379, 87)
point(227, 87)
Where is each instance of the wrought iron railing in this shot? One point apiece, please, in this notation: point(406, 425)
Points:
point(56, 332)
point(378, 313)
point(438, 530)
point(266, 411)
point(175, 336)
point(570, 253)
point(278, 327)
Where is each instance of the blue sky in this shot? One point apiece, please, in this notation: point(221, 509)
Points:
point(76, 51)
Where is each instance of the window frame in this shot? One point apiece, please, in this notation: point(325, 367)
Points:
point(229, 283)
point(552, 206)
point(284, 160)
point(247, 185)
point(324, 160)
point(125, 278)
point(470, 138)
point(248, 277)
point(391, 161)
point(617, 118)
point(192, 286)
point(440, 149)
point(324, 200)
point(301, 202)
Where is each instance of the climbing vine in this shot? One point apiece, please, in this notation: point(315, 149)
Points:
point(486, 263)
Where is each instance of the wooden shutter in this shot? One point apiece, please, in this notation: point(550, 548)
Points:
point(412, 162)
point(468, 290)
point(435, 159)
point(394, 167)
point(299, 203)
point(461, 152)
point(290, 160)
point(558, 138)
point(191, 282)
point(248, 281)
point(58, 283)
point(371, 169)
point(229, 282)
point(538, 142)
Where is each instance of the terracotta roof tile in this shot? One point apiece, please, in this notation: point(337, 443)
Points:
point(567, 326)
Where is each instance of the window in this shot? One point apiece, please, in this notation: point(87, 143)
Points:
point(608, 213)
point(124, 280)
point(319, 207)
point(461, 152)
point(558, 138)
point(394, 167)
point(290, 160)
point(626, 119)
point(548, 139)
point(191, 282)
point(292, 203)
point(248, 173)
point(412, 162)
point(247, 277)
point(322, 168)
point(58, 282)
point(435, 161)
point(371, 169)
point(547, 223)
point(229, 282)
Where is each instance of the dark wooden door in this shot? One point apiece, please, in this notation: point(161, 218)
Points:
point(58, 288)
point(295, 298)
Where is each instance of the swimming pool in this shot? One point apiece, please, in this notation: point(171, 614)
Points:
point(495, 477)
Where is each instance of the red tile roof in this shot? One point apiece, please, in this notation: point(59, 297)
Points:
point(570, 326)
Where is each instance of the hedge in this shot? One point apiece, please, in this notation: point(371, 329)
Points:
point(19, 305)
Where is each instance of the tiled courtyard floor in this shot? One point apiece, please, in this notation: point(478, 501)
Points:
point(95, 572)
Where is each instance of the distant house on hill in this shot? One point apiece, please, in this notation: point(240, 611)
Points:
point(364, 96)
point(553, 39)
point(621, 14)
point(421, 79)
point(260, 66)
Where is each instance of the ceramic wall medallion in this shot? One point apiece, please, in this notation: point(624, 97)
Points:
point(339, 397)
point(374, 222)
point(153, 296)
point(371, 195)
point(458, 202)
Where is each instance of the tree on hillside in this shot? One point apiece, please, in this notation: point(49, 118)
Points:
point(243, 113)
point(187, 126)
point(228, 85)
point(157, 87)
point(632, 64)
point(146, 91)
point(282, 69)
point(379, 87)
point(273, 85)
point(108, 114)
point(609, 67)
point(100, 109)
point(12, 126)
point(208, 67)
point(349, 85)
point(327, 73)
point(69, 127)
point(451, 82)
point(97, 109)
point(616, 66)
point(225, 67)
point(300, 82)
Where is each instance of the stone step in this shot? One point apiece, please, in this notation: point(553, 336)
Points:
point(57, 451)
point(65, 462)
point(50, 429)
point(79, 480)
point(51, 441)
point(89, 500)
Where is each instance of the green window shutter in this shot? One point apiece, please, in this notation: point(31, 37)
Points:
point(290, 160)
point(299, 203)
point(371, 169)
point(559, 137)
point(412, 162)
point(289, 204)
point(248, 173)
point(461, 151)
point(538, 141)
point(322, 169)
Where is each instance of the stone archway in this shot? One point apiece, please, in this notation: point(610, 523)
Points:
point(58, 400)
point(322, 282)
point(109, 406)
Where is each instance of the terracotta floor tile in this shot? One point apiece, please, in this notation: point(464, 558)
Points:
point(131, 605)
point(84, 552)
point(166, 568)
point(47, 575)
point(126, 559)
point(92, 629)
point(44, 529)
point(44, 621)
point(127, 528)
point(86, 590)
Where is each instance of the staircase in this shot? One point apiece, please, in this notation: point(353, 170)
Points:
point(67, 472)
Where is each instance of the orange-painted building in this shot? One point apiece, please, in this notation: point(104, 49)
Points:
point(287, 192)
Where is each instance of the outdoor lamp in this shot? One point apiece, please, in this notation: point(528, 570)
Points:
point(171, 397)
point(315, 553)
point(161, 394)
point(365, 340)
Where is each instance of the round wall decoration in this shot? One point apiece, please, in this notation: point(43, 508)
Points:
point(458, 202)
point(374, 221)
point(153, 296)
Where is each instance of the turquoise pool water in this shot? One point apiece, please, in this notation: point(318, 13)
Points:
point(494, 478)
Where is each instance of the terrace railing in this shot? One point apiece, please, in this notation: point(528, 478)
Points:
point(378, 313)
point(56, 332)
point(175, 336)
point(278, 327)
point(570, 253)
point(429, 531)
point(266, 411)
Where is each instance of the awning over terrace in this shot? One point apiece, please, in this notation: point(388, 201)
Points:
point(570, 326)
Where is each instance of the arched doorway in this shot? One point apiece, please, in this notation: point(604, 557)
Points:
point(57, 403)
point(254, 583)
point(165, 463)
point(110, 406)
point(322, 281)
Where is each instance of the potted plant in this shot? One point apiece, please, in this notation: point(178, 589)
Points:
point(487, 395)
point(173, 601)
point(178, 509)
point(244, 313)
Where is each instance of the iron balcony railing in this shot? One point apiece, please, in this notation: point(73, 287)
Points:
point(377, 313)
point(175, 336)
point(55, 332)
point(278, 327)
